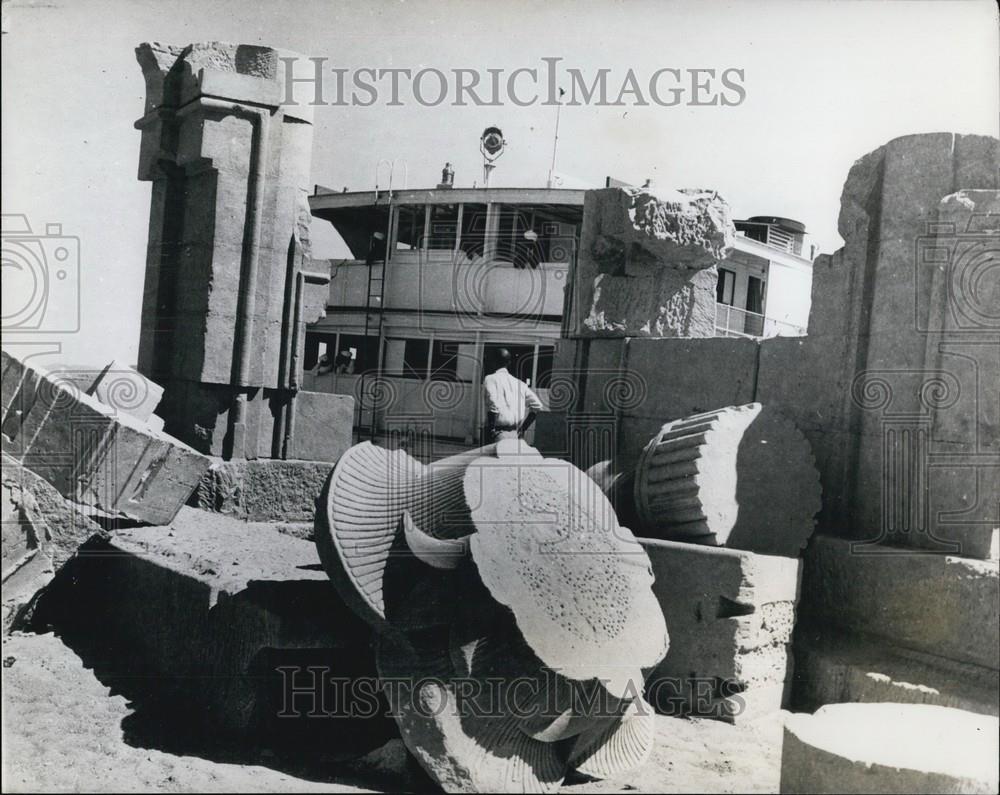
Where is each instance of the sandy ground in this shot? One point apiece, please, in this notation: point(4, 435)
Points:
point(62, 732)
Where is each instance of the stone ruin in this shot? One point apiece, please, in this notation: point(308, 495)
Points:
point(230, 284)
point(874, 441)
point(471, 571)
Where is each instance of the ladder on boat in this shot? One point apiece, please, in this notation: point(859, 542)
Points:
point(371, 391)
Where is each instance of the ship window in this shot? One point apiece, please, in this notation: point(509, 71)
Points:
point(444, 360)
point(543, 367)
point(755, 295)
point(317, 346)
point(410, 227)
point(415, 358)
point(473, 241)
point(355, 353)
point(444, 227)
point(517, 242)
point(724, 287)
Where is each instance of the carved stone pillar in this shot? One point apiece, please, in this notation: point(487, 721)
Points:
point(229, 281)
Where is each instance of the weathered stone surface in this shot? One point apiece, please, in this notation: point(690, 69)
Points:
point(215, 607)
point(937, 604)
point(610, 396)
point(230, 284)
point(41, 532)
point(741, 477)
point(91, 453)
point(262, 490)
point(730, 615)
point(473, 568)
point(647, 263)
point(548, 546)
point(324, 427)
point(902, 361)
point(890, 748)
point(834, 667)
point(124, 389)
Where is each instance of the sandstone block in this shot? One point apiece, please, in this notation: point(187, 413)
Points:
point(730, 615)
point(883, 748)
point(41, 532)
point(122, 388)
point(833, 667)
point(233, 620)
point(938, 604)
point(263, 490)
point(324, 427)
point(647, 263)
point(94, 455)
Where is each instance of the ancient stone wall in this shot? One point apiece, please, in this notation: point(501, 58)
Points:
point(894, 386)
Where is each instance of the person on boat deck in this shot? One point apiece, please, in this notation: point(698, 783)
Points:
point(510, 403)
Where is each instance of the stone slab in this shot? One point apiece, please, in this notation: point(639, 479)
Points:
point(324, 426)
point(122, 388)
point(215, 607)
point(41, 532)
point(938, 604)
point(93, 454)
point(682, 377)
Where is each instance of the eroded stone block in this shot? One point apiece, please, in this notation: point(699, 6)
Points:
point(938, 604)
point(646, 265)
point(263, 490)
point(730, 615)
point(94, 455)
point(41, 532)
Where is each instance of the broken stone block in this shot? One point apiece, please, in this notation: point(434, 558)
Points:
point(647, 261)
point(890, 748)
point(741, 477)
point(262, 490)
point(233, 623)
point(92, 454)
point(41, 532)
point(124, 389)
point(730, 614)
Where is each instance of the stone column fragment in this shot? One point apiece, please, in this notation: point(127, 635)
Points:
point(742, 477)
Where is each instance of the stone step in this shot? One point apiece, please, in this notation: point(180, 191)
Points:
point(936, 604)
point(836, 667)
point(233, 621)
